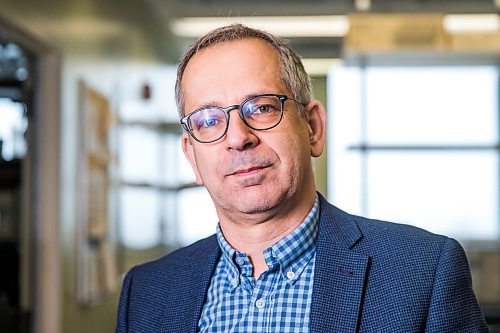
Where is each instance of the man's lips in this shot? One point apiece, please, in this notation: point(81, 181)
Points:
point(246, 164)
point(248, 171)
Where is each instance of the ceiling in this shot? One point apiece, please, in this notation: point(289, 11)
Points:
point(312, 47)
point(140, 28)
point(316, 7)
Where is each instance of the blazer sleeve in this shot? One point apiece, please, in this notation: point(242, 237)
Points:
point(453, 306)
point(122, 320)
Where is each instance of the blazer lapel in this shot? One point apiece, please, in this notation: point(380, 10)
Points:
point(339, 275)
point(194, 280)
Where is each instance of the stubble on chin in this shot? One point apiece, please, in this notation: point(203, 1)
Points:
point(249, 204)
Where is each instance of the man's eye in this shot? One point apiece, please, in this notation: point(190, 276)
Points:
point(259, 109)
point(207, 122)
point(265, 108)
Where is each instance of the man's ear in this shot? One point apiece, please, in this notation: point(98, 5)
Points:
point(316, 117)
point(187, 148)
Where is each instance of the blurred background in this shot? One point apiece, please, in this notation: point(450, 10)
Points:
point(92, 176)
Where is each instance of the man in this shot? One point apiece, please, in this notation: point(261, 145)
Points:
point(283, 259)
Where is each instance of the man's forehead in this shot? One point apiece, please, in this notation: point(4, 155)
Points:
point(249, 66)
point(249, 43)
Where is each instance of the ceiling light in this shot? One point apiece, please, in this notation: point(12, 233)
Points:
point(362, 5)
point(467, 23)
point(320, 66)
point(283, 26)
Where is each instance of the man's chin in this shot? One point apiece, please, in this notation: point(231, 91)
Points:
point(255, 203)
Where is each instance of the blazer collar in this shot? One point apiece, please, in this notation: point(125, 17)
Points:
point(340, 273)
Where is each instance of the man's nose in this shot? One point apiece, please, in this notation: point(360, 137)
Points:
point(239, 136)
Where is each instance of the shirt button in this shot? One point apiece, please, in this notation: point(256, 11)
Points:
point(239, 261)
point(290, 275)
point(260, 303)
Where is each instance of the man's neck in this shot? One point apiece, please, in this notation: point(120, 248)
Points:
point(253, 238)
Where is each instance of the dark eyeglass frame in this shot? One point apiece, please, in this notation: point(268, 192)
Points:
point(282, 98)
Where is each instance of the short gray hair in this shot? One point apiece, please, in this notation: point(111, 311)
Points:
point(293, 74)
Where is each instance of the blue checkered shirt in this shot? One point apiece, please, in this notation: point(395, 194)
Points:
point(279, 301)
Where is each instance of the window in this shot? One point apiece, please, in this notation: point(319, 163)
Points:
point(417, 145)
point(13, 126)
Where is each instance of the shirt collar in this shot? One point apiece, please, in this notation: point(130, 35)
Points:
point(292, 253)
point(229, 256)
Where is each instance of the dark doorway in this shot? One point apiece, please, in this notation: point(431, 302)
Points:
point(15, 96)
point(29, 186)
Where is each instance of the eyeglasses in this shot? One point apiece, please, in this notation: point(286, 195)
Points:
point(260, 112)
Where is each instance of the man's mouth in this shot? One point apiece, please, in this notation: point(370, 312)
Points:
point(248, 171)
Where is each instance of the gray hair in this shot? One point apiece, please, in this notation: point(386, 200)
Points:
point(293, 74)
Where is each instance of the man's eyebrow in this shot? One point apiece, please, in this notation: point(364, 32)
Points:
point(213, 103)
point(209, 104)
point(263, 92)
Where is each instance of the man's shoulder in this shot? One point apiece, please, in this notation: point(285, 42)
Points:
point(393, 249)
point(394, 230)
point(390, 239)
point(382, 236)
point(183, 258)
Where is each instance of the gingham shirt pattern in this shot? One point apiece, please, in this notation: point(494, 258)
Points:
point(279, 301)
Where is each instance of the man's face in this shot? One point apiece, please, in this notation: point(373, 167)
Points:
point(247, 171)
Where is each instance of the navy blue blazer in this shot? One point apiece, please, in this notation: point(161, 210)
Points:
point(370, 276)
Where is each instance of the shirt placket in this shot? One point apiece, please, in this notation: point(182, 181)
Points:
point(262, 300)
